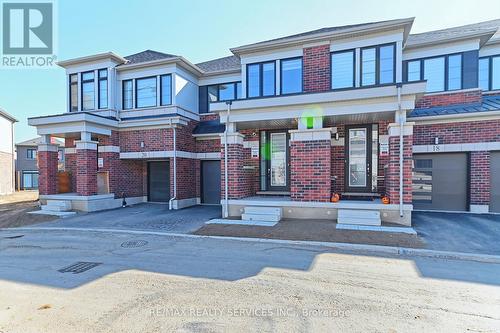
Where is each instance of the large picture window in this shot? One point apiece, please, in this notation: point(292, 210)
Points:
point(442, 73)
point(342, 64)
point(261, 79)
point(88, 91)
point(145, 92)
point(291, 76)
point(489, 73)
point(378, 65)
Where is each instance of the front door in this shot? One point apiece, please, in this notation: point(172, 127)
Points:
point(278, 174)
point(358, 158)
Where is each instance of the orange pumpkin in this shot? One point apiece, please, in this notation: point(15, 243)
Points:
point(385, 200)
point(335, 197)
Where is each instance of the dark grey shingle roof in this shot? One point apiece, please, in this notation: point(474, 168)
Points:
point(220, 64)
point(489, 103)
point(209, 127)
point(148, 55)
point(436, 35)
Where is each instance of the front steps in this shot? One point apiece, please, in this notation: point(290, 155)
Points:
point(264, 214)
point(61, 208)
point(359, 217)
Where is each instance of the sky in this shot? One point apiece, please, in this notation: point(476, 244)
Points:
point(200, 31)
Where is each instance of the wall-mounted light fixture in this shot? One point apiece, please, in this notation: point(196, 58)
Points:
point(142, 144)
point(337, 137)
point(436, 140)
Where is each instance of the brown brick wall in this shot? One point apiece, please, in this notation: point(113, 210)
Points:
point(316, 68)
point(47, 172)
point(449, 99)
point(392, 176)
point(86, 172)
point(480, 178)
point(463, 132)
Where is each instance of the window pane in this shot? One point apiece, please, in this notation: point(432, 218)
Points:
point(73, 92)
point(166, 90)
point(238, 90)
point(268, 79)
point(413, 71)
point(103, 73)
point(27, 180)
point(455, 72)
point(146, 92)
point(88, 95)
point(87, 76)
point(212, 93)
point(484, 73)
point(495, 73)
point(226, 92)
point(386, 64)
point(368, 67)
point(103, 89)
point(434, 74)
point(343, 70)
point(291, 76)
point(253, 83)
point(127, 94)
point(73, 78)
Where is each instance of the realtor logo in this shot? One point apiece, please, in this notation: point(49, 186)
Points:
point(28, 34)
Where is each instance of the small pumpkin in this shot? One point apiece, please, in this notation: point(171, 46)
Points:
point(385, 200)
point(335, 197)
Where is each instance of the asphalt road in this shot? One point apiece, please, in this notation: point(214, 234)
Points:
point(188, 284)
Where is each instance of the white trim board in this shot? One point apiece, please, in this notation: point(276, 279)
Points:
point(456, 147)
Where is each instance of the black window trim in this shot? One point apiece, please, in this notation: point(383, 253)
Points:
point(81, 88)
point(123, 94)
point(353, 68)
point(70, 86)
point(33, 156)
point(161, 89)
point(261, 78)
point(446, 69)
point(490, 70)
point(135, 88)
point(99, 79)
point(235, 83)
point(377, 64)
point(281, 76)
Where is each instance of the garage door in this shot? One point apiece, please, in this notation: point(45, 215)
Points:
point(440, 182)
point(210, 182)
point(495, 182)
point(158, 181)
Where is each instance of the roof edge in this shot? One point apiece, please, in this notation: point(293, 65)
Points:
point(483, 35)
point(8, 116)
point(99, 56)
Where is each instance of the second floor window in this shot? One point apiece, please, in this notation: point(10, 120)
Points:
point(291, 76)
point(73, 92)
point(88, 91)
point(145, 92)
point(261, 79)
point(442, 73)
point(31, 154)
point(378, 65)
point(342, 64)
point(224, 92)
point(166, 89)
point(103, 88)
point(489, 73)
point(127, 95)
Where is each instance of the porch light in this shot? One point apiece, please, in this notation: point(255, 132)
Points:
point(436, 140)
point(337, 137)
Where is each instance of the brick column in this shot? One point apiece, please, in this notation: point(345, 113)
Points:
point(238, 182)
point(479, 181)
point(86, 167)
point(47, 168)
point(310, 165)
point(316, 63)
point(392, 175)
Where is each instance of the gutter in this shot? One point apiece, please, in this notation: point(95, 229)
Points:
point(226, 181)
point(401, 155)
point(171, 201)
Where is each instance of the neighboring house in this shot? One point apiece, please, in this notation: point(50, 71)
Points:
point(321, 112)
point(6, 152)
point(27, 163)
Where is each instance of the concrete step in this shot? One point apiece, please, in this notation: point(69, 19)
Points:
point(264, 210)
point(359, 217)
point(62, 205)
point(261, 217)
point(52, 208)
point(48, 212)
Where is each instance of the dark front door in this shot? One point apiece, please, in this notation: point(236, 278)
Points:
point(158, 181)
point(210, 182)
point(277, 157)
point(358, 150)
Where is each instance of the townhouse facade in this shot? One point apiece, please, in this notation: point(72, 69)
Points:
point(363, 111)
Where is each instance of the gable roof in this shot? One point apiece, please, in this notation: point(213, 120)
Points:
point(146, 56)
point(487, 28)
point(221, 64)
point(38, 140)
point(489, 103)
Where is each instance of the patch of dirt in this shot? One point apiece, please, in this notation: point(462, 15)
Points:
point(313, 230)
point(15, 214)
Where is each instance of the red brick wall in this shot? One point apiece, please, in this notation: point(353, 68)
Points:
point(463, 132)
point(316, 68)
point(86, 172)
point(480, 178)
point(449, 99)
point(186, 178)
point(208, 146)
point(47, 170)
point(242, 182)
point(392, 176)
point(310, 167)
point(206, 117)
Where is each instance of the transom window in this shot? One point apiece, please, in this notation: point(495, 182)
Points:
point(88, 91)
point(342, 64)
point(224, 92)
point(442, 73)
point(261, 79)
point(378, 65)
point(145, 92)
point(489, 73)
point(291, 76)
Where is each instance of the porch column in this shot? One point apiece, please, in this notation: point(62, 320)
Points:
point(47, 166)
point(238, 187)
point(310, 164)
point(392, 175)
point(86, 165)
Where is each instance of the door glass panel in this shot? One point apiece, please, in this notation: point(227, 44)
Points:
point(278, 159)
point(357, 157)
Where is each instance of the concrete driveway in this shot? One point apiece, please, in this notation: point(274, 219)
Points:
point(145, 217)
point(459, 232)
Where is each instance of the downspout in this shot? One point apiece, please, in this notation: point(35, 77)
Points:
point(226, 181)
point(401, 155)
point(171, 201)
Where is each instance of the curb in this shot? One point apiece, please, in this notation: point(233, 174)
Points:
point(359, 248)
